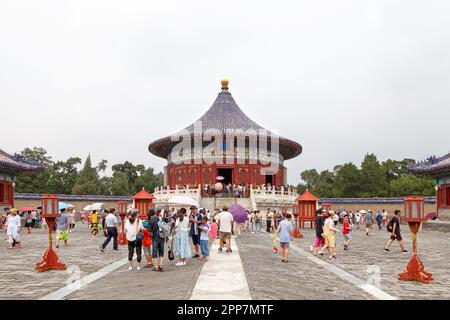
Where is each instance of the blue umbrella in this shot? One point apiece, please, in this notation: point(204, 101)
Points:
point(63, 205)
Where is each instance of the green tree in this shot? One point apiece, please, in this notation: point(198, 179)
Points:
point(412, 185)
point(149, 180)
point(301, 188)
point(119, 184)
point(325, 185)
point(373, 181)
point(310, 177)
point(63, 175)
point(347, 181)
point(132, 172)
point(35, 182)
point(88, 180)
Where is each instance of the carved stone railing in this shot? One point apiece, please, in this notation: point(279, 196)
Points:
point(282, 196)
point(164, 194)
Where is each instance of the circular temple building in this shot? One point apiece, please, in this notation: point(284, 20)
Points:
point(227, 143)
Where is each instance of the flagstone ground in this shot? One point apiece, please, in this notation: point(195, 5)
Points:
point(267, 276)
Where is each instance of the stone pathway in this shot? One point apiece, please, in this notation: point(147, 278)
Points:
point(271, 279)
point(252, 271)
point(222, 277)
point(367, 260)
point(20, 280)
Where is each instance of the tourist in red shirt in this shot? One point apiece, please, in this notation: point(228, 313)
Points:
point(346, 232)
point(147, 244)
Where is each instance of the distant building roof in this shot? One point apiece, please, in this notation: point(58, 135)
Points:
point(222, 117)
point(432, 166)
point(17, 163)
point(143, 195)
point(307, 196)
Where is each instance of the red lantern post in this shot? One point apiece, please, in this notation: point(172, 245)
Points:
point(143, 202)
point(122, 208)
point(414, 212)
point(50, 210)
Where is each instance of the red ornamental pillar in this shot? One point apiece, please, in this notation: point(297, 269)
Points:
point(414, 214)
point(50, 210)
point(122, 208)
point(143, 202)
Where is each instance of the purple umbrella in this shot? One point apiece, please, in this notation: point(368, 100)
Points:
point(430, 216)
point(238, 212)
point(220, 178)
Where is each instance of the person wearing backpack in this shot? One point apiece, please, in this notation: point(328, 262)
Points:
point(393, 228)
point(133, 230)
point(158, 239)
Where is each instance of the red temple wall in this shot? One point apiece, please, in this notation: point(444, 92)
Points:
point(195, 174)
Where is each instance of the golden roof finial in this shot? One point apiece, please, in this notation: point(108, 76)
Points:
point(224, 84)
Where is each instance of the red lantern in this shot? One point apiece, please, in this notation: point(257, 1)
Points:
point(414, 215)
point(122, 208)
point(50, 210)
point(307, 206)
point(143, 202)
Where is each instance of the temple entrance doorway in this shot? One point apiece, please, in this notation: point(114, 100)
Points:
point(227, 174)
point(269, 180)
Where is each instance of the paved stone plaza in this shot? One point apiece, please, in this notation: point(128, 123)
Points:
point(364, 272)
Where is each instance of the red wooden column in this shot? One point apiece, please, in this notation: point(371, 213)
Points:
point(143, 202)
point(11, 193)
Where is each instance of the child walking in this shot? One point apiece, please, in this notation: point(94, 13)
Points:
point(204, 228)
point(346, 232)
point(213, 229)
point(285, 230)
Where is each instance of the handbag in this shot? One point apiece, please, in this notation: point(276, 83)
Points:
point(139, 233)
point(171, 256)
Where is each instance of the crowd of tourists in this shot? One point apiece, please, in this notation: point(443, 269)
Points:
point(181, 234)
point(329, 223)
point(187, 235)
point(13, 221)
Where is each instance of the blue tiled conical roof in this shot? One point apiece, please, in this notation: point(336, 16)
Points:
point(222, 117)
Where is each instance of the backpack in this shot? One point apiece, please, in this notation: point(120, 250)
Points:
point(163, 229)
point(389, 226)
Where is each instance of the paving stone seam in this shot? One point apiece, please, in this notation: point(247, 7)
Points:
point(344, 275)
point(63, 292)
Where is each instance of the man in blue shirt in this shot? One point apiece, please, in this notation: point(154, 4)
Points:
point(61, 227)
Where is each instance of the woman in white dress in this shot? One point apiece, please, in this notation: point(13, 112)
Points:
point(182, 248)
point(13, 229)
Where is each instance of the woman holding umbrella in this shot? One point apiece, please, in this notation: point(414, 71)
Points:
point(240, 216)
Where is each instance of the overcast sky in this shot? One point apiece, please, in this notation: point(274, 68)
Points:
point(342, 78)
